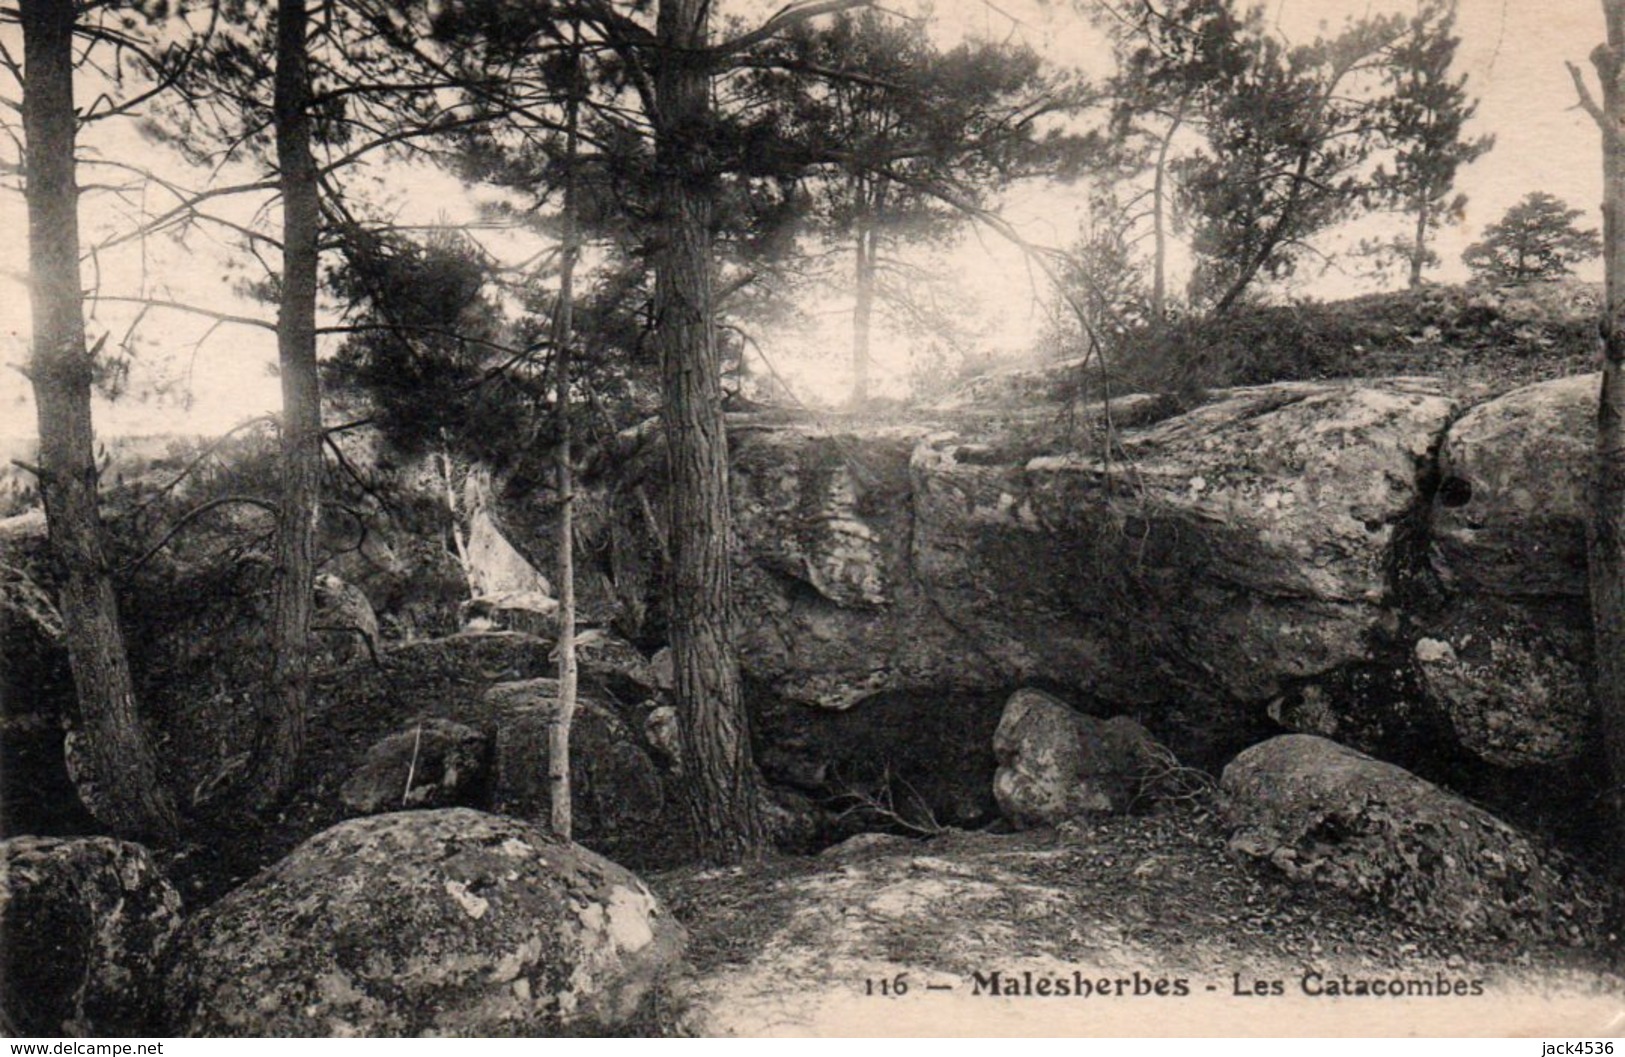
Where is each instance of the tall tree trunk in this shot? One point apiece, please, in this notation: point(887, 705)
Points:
point(862, 315)
point(1159, 207)
point(282, 720)
point(1419, 248)
point(115, 768)
point(723, 788)
point(1605, 537)
point(558, 737)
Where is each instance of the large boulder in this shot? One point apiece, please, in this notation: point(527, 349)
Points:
point(446, 922)
point(1509, 659)
point(831, 612)
point(84, 922)
point(1221, 553)
point(1056, 764)
point(615, 787)
point(1328, 815)
point(435, 763)
point(1514, 680)
point(1509, 515)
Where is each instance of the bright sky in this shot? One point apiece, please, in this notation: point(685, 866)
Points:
point(1514, 53)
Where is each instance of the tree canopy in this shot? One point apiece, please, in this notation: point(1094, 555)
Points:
point(1257, 145)
point(1428, 113)
point(900, 140)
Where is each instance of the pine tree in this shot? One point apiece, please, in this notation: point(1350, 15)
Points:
point(1536, 239)
point(1428, 112)
point(888, 125)
point(118, 772)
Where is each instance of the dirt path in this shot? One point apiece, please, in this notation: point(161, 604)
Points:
point(998, 935)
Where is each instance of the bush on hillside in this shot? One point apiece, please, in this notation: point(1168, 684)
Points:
point(1503, 335)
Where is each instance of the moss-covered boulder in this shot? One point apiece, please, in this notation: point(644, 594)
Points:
point(1509, 515)
point(83, 924)
point(448, 922)
point(1509, 659)
point(1323, 813)
point(1512, 678)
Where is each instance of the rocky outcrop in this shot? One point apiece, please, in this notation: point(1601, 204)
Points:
point(1221, 553)
point(1509, 515)
point(509, 590)
point(84, 922)
point(1509, 659)
point(436, 763)
point(1323, 813)
point(495, 567)
point(831, 612)
point(425, 923)
point(1056, 763)
point(1296, 554)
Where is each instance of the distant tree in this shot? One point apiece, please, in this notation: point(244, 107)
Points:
point(1427, 113)
point(886, 121)
point(1536, 239)
point(1255, 145)
point(1169, 63)
point(1107, 289)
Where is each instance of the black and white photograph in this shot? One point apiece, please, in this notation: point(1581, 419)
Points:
point(839, 518)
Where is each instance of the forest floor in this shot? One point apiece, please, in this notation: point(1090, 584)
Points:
point(818, 946)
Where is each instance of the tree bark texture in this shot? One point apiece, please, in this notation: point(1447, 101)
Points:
point(282, 720)
point(724, 790)
point(1605, 538)
point(114, 768)
point(558, 738)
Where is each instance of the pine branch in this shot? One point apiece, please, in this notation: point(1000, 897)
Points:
point(785, 18)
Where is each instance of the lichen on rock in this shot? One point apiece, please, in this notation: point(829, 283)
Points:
point(84, 923)
point(1325, 814)
point(448, 922)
